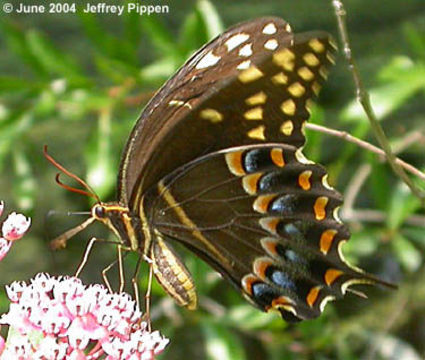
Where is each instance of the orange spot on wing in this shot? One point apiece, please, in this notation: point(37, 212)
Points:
point(277, 157)
point(247, 282)
point(326, 240)
point(234, 163)
point(304, 180)
point(281, 300)
point(319, 207)
point(270, 224)
point(270, 246)
point(260, 267)
point(331, 275)
point(313, 295)
point(261, 203)
point(250, 183)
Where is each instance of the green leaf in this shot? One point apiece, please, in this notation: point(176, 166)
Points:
point(45, 103)
point(417, 234)
point(100, 165)
point(158, 71)
point(24, 186)
point(116, 70)
point(222, 344)
point(10, 130)
point(415, 39)
point(132, 32)
point(204, 277)
point(53, 60)
point(76, 104)
point(108, 45)
point(313, 146)
point(249, 318)
point(362, 244)
point(97, 34)
point(17, 43)
point(379, 184)
point(193, 33)
point(200, 26)
point(385, 99)
point(410, 257)
point(402, 205)
point(402, 80)
point(211, 18)
point(162, 39)
point(13, 85)
point(398, 66)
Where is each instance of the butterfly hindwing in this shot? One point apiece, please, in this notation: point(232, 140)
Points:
point(265, 218)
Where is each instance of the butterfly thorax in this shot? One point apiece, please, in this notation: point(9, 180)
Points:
point(126, 226)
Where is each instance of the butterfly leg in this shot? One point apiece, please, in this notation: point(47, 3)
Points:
point(135, 283)
point(87, 253)
point(120, 268)
point(148, 294)
point(119, 260)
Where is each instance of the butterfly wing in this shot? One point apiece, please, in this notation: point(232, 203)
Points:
point(266, 219)
point(250, 85)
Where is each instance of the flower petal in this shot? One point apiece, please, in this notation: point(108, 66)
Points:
point(15, 226)
point(4, 247)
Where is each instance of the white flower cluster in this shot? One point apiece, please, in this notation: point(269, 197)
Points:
point(60, 318)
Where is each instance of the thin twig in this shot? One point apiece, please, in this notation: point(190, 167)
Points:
point(364, 99)
point(375, 216)
point(409, 139)
point(365, 145)
point(353, 188)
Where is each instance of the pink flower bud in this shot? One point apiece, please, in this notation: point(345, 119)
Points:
point(4, 247)
point(15, 226)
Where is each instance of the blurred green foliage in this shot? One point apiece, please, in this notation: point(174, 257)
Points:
point(78, 82)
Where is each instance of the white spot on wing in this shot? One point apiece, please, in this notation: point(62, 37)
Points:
point(246, 50)
point(325, 301)
point(271, 44)
point(301, 158)
point(236, 40)
point(269, 29)
point(244, 65)
point(208, 60)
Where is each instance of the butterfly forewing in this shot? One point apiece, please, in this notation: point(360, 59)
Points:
point(250, 85)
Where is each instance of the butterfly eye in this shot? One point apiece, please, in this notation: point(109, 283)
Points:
point(99, 212)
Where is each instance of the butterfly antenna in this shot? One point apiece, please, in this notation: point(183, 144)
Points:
point(63, 170)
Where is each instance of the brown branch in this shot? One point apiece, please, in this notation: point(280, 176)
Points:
point(353, 188)
point(364, 99)
point(365, 145)
point(375, 216)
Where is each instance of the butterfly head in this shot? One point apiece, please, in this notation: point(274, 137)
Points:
point(115, 216)
point(119, 220)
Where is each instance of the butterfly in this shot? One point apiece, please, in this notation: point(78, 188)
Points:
point(215, 163)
